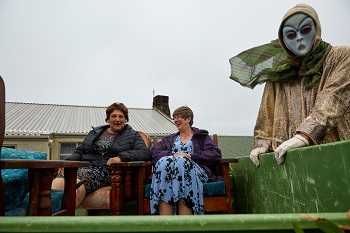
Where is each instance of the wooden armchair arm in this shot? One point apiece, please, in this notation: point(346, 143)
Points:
point(224, 171)
point(228, 160)
point(125, 177)
point(40, 176)
point(115, 166)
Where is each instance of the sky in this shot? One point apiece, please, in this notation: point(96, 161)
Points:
point(96, 52)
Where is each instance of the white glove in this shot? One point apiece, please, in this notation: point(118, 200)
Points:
point(254, 155)
point(295, 142)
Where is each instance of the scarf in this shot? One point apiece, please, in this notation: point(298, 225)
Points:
point(269, 62)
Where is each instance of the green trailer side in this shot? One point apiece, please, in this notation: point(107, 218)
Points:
point(313, 179)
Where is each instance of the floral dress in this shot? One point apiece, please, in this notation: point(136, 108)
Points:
point(176, 178)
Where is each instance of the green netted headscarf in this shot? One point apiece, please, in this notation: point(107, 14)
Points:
point(274, 62)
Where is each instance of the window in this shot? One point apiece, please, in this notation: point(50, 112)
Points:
point(67, 148)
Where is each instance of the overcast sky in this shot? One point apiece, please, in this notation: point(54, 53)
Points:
point(94, 53)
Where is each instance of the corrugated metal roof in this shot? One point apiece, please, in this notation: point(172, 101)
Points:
point(235, 146)
point(25, 119)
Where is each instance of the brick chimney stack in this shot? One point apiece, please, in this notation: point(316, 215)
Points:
point(161, 103)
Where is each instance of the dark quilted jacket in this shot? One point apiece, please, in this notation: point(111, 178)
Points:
point(128, 145)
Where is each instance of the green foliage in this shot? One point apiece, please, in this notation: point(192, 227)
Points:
point(328, 226)
point(297, 228)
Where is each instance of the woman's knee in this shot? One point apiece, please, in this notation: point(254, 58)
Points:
point(58, 183)
point(181, 162)
point(164, 162)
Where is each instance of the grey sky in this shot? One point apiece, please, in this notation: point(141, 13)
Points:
point(84, 52)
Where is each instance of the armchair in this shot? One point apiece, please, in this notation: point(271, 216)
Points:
point(217, 195)
point(112, 197)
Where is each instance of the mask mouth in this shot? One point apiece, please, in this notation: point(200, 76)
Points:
point(301, 47)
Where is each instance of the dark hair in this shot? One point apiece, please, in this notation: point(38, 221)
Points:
point(117, 106)
point(184, 112)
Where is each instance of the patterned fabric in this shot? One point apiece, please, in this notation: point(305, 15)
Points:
point(269, 63)
point(95, 177)
point(16, 186)
point(181, 147)
point(9, 153)
point(205, 152)
point(176, 178)
point(21, 210)
point(105, 141)
point(16, 180)
point(98, 199)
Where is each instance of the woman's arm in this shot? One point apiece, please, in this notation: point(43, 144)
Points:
point(207, 154)
point(162, 148)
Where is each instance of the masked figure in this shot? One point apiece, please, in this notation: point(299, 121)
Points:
point(306, 98)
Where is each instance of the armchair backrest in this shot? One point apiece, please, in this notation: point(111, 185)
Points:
point(146, 138)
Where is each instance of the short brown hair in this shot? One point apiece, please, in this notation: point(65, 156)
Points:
point(184, 112)
point(117, 106)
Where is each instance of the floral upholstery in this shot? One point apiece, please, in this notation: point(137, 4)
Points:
point(16, 186)
point(98, 199)
point(20, 210)
point(16, 183)
point(16, 180)
point(8, 153)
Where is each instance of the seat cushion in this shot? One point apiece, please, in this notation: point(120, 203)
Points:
point(98, 199)
point(9, 153)
point(21, 209)
point(16, 186)
point(214, 189)
point(210, 189)
point(16, 180)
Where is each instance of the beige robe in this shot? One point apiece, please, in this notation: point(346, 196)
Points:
point(322, 112)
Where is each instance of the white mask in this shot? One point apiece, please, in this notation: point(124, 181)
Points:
point(299, 32)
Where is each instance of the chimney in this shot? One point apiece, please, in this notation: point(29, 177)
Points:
point(161, 103)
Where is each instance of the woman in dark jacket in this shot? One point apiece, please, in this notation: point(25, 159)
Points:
point(182, 164)
point(116, 142)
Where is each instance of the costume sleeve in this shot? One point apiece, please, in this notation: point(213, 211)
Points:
point(263, 130)
point(139, 151)
point(208, 154)
point(162, 148)
point(333, 99)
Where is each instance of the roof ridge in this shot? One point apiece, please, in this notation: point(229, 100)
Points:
point(68, 105)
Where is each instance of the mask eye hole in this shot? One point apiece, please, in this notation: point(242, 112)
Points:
point(306, 29)
point(291, 35)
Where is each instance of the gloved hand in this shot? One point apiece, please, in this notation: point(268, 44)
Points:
point(295, 142)
point(254, 154)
